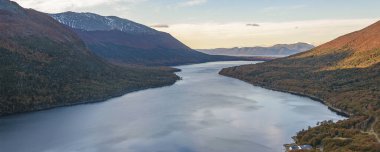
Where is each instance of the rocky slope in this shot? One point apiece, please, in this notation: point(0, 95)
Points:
point(44, 64)
point(122, 41)
point(276, 50)
point(344, 73)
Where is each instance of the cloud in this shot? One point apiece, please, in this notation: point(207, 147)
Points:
point(254, 25)
point(189, 3)
point(160, 26)
point(238, 34)
point(272, 9)
point(55, 6)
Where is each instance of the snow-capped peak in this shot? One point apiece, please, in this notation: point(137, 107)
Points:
point(94, 22)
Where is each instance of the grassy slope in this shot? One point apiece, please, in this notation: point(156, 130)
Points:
point(345, 73)
point(44, 64)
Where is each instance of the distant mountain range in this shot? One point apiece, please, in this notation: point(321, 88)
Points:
point(44, 64)
point(276, 50)
point(122, 41)
point(344, 74)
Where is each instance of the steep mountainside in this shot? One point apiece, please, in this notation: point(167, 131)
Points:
point(44, 64)
point(94, 22)
point(276, 50)
point(122, 41)
point(345, 73)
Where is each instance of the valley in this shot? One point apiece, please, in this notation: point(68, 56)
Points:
point(204, 112)
point(94, 76)
point(46, 64)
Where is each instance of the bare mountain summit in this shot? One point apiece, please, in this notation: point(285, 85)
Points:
point(94, 22)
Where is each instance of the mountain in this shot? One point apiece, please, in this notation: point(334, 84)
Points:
point(344, 74)
point(122, 41)
point(276, 50)
point(44, 64)
point(94, 22)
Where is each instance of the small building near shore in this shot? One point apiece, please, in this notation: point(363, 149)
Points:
point(306, 147)
point(291, 147)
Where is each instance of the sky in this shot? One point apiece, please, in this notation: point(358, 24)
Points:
point(204, 24)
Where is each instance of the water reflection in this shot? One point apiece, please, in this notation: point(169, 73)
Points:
point(204, 112)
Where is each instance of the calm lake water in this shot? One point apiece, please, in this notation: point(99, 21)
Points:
point(204, 112)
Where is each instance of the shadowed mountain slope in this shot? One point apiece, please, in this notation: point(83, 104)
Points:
point(44, 64)
point(122, 41)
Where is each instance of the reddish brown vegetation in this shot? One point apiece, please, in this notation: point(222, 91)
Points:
point(345, 73)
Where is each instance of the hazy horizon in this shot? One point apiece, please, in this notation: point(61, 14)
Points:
point(206, 24)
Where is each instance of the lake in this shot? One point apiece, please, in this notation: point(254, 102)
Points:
point(204, 112)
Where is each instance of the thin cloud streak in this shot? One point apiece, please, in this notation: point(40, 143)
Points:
point(282, 8)
point(214, 35)
point(189, 3)
point(160, 26)
point(254, 25)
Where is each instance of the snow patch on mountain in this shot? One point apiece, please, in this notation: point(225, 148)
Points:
point(94, 22)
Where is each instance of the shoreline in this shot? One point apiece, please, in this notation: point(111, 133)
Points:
point(338, 111)
point(116, 95)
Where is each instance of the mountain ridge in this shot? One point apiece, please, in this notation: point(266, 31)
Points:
point(116, 43)
point(275, 50)
point(93, 22)
point(359, 49)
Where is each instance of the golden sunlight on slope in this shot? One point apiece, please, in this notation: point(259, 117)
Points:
point(359, 49)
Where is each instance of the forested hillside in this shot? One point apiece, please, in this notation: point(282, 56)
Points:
point(345, 74)
point(44, 64)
